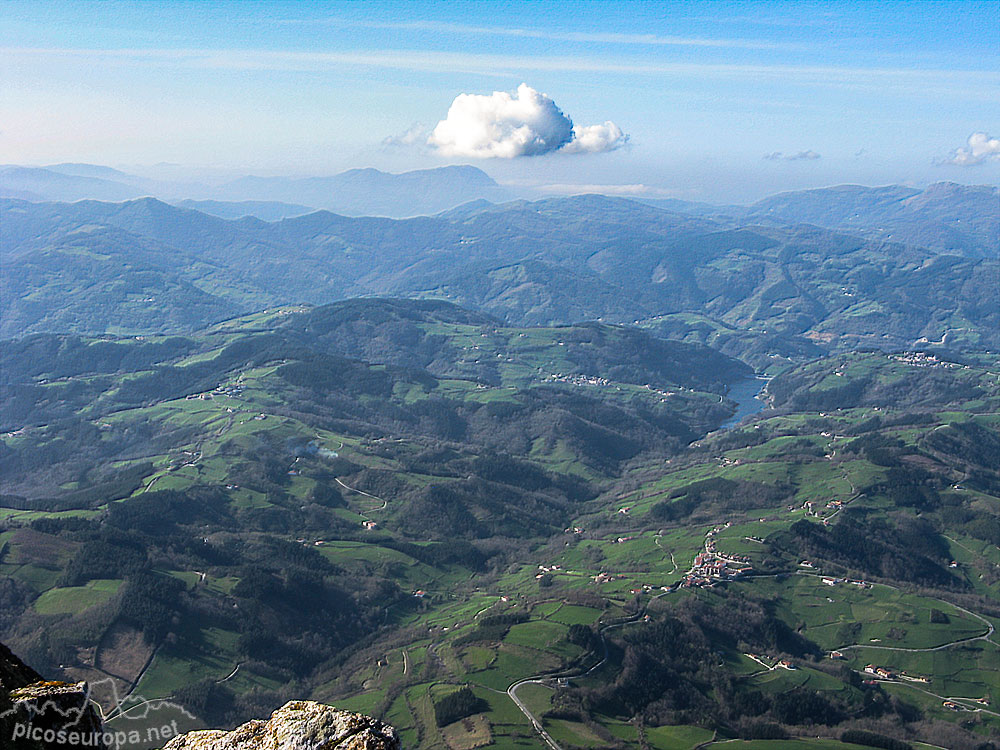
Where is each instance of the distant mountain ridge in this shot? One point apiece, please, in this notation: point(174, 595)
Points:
point(145, 266)
point(946, 217)
point(370, 192)
point(960, 219)
point(263, 210)
point(48, 184)
point(357, 192)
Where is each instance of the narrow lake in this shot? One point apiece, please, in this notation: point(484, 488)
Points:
point(746, 394)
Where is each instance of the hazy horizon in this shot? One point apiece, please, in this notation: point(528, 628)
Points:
point(181, 176)
point(701, 101)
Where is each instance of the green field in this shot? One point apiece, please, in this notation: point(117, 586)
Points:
point(75, 599)
point(391, 536)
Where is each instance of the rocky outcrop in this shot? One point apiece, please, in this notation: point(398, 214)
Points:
point(14, 673)
point(298, 725)
point(38, 715)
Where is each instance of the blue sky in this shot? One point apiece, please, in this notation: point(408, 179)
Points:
point(862, 92)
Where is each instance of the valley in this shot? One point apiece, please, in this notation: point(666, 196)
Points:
point(500, 536)
point(627, 576)
point(500, 376)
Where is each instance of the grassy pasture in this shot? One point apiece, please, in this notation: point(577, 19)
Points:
point(866, 616)
point(571, 614)
point(74, 599)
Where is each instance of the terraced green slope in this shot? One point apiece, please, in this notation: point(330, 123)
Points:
point(175, 502)
point(481, 526)
point(871, 532)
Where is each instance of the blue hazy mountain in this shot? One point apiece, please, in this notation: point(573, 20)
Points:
point(952, 218)
point(95, 267)
point(370, 192)
point(263, 210)
point(357, 192)
point(36, 183)
point(962, 219)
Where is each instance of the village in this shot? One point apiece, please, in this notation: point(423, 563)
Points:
point(921, 359)
point(579, 380)
point(711, 566)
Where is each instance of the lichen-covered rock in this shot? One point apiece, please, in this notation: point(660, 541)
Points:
point(51, 714)
point(298, 725)
point(40, 715)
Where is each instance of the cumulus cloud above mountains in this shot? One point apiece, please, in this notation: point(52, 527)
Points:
point(592, 139)
point(526, 123)
point(979, 148)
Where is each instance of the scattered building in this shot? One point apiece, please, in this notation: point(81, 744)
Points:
point(882, 672)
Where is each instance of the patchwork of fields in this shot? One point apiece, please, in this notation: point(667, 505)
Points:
point(450, 548)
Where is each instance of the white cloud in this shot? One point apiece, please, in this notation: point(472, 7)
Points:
point(596, 138)
point(416, 133)
point(809, 155)
point(527, 123)
point(980, 148)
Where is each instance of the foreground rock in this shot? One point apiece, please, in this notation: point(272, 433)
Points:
point(298, 725)
point(40, 715)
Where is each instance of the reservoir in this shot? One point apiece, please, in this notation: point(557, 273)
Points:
point(748, 395)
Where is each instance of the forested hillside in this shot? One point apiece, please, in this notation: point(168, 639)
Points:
point(144, 266)
point(228, 480)
point(413, 510)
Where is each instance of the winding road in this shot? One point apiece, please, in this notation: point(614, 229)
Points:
point(982, 637)
point(545, 679)
point(362, 492)
point(572, 672)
